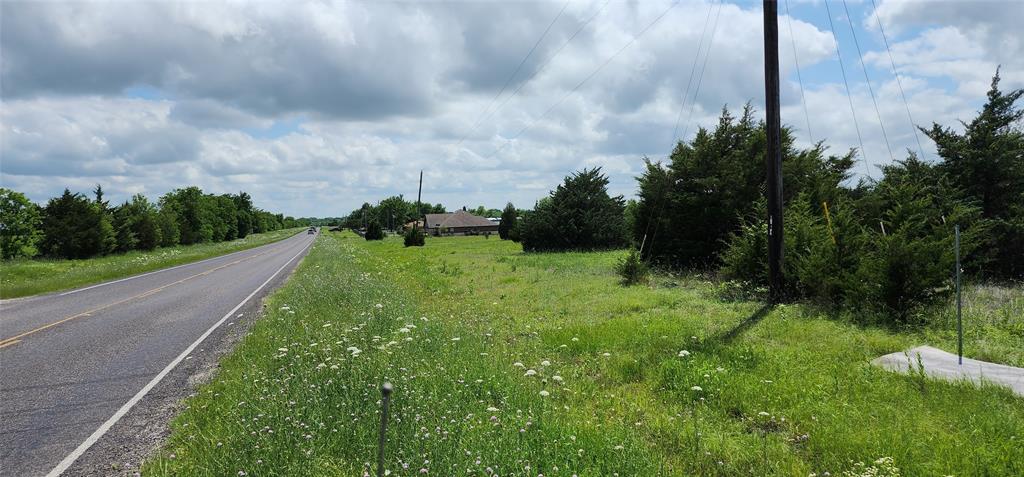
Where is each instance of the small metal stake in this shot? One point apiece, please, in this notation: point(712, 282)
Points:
point(959, 323)
point(385, 392)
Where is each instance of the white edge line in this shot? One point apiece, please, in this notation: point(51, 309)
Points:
point(98, 433)
point(71, 292)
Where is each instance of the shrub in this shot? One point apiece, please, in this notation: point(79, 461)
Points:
point(632, 269)
point(374, 231)
point(807, 244)
point(896, 272)
point(414, 237)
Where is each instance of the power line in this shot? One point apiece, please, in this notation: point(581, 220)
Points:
point(867, 80)
point(588, 78)
point(700, 78)
point(476, 125)
point(539, 69)
point(849, 96)
point(803, 99)
point(896, 73)
point(693, 69)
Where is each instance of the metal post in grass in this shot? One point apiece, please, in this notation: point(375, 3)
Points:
point(385, 393)
point(959, 322)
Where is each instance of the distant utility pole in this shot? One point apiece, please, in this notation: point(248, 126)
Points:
point(773, 158)
point(419, 208)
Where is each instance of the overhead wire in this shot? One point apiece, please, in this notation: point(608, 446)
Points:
point(799, 77)
point(700, 77)
point(700, 80)
point(679, 117)
point(539, 69)
point(867, 80)
point(899, 83)
point(693, 69)
point(508, 81)
point(588, 78)
point(849, 95)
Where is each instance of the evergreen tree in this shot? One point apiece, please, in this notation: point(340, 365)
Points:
point(687, 209)
point(75, 227)
point(122, 223)
point(578, 215)
point(986, 162)
point(509, 216)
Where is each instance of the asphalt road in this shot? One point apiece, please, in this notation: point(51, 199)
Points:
point(72, 364)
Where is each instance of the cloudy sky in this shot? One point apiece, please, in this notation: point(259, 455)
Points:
point(316, 107)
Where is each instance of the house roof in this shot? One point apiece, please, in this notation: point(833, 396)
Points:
point(459, 218)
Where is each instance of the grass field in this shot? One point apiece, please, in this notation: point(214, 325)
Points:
point(31, 277)
point(512, 364)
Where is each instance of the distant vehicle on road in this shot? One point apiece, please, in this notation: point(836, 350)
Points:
point(311, 231)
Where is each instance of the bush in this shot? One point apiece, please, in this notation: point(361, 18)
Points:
point(806, 242)
point(896, 272)
point(578, 215)
point(414, 237)
point(374, 231)
point(632, 269)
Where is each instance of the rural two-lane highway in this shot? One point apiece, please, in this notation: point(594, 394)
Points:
point(72, 364)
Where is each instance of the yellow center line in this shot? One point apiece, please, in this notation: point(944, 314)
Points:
point(17, 338)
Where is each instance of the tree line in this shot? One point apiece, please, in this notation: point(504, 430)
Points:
point(391, 213)
point(74, 225)
point(882, 244)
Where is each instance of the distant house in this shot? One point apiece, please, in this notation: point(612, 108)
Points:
point(459, 222)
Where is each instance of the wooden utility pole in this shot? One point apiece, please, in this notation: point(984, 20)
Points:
point(419, 208)
point(773, 158)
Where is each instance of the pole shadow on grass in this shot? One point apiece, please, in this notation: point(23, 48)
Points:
point(729, 335)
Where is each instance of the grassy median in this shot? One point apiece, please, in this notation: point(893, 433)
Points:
point(507, 364)
point(26, 277)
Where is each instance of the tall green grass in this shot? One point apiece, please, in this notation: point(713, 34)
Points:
point(24, 277)
point(542, 364)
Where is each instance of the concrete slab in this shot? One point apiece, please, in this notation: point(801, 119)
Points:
point(942, 365)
